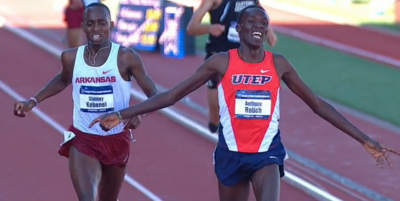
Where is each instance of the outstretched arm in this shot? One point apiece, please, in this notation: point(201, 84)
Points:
point(60, 81)
point(318, 105)
point(208, 69)
point(327, 112)
point(170, 97)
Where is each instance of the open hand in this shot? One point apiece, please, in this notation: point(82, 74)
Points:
point(379, 152)
point(23, 107)
point(107, 121)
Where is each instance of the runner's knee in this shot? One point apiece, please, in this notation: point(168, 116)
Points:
point(111, 182)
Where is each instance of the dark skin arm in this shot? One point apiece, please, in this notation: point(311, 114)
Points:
point(170, 97)
point(56, 85)
point(287, 73)
point(323, 109)
point(62, 80)
point(136, 69)
point(320, 107)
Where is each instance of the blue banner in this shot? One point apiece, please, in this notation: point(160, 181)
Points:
point(138, 24)
point(154, 25)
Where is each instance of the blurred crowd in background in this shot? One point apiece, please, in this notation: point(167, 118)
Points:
point(372, 9)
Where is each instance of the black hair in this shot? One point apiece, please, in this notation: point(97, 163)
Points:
point(97, 5)
point(242, 12)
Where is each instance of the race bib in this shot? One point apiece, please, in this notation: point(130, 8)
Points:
point(233, 35)
point(253, 104)
point(96, 99)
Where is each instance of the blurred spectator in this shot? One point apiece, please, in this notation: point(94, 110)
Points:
point(73, 19)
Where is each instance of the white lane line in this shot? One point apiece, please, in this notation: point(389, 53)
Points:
point(7, 89)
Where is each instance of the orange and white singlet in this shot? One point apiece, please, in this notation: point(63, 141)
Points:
point(249, 104)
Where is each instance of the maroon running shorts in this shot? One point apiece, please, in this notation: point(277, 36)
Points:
point(111, 150)
point(73, 17)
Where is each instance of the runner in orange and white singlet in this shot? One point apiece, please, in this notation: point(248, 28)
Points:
point(222, 36)
point(249, 92)
point(249, 147)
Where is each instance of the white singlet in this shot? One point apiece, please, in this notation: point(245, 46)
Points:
point(98, 90)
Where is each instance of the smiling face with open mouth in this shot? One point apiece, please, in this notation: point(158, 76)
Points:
point(253, 27)
point(97, 25)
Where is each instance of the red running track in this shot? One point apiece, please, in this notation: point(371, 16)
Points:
point(169, 160)
point(317, 140)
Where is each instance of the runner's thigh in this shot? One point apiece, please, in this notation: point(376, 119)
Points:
point(266, 183)
point(85, 173)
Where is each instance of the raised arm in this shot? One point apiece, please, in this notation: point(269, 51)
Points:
point(195, 27)
point(326, 111)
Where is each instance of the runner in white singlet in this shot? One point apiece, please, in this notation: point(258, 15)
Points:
point(98, 90)
point(100, 73)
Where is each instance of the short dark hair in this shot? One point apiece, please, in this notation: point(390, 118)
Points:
point(97, 5)
point(242, 12)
